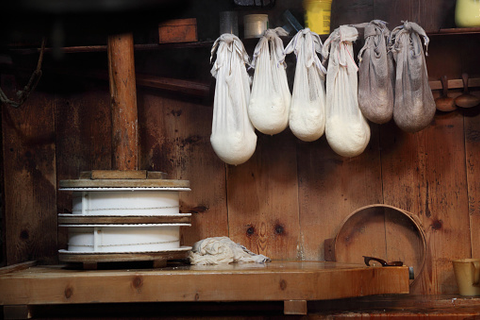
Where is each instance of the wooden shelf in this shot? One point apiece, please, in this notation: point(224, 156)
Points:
point(454, 84)
point(294, 282)
point(456, 31)
point(103, 47)
point(200, 44)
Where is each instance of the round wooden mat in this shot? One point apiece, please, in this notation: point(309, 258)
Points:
point(384, 232)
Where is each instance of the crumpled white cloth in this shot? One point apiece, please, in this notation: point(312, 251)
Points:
point(222, 250)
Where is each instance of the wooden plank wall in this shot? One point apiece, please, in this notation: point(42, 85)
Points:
point(284, 202)
point(30, 176)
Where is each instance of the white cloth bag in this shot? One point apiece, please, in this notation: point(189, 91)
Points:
point(346, 129)
point(233, 136)
point(270, 98)
point(307, 110)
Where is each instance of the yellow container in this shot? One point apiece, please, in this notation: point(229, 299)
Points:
point(317, 15)
point(467, 13)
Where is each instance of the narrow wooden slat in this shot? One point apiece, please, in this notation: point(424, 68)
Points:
point(98, 257)
point(17, 267)
point(188, 87)
point(119, 174)
point(156, 175)
point(103, 48)
point(460, 30)
point(454, 84)
point(91, 219)
point(124, 183)
point(182, 86)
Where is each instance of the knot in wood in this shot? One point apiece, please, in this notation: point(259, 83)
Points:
point(137, 282)
point(283, 285)
point(279, 229)
point(437, 224)
point(68, 292)
point(24, 234)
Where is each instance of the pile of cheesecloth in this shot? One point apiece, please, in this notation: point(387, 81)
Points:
point(331, 95)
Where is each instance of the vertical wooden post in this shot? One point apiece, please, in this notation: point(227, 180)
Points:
point(121, 67)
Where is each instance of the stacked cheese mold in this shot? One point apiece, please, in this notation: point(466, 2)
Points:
point(123, 216)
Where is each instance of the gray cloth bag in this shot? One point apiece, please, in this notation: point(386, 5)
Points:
point(376, 73)
point(414, 107)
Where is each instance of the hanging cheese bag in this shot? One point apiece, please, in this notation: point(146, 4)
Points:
point(414, 107)
point(233, 137)
point(307, 110)
point(270, 98)
point(346, 129)
point(376, 74)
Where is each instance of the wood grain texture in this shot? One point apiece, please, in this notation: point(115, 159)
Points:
point(275, 281)
point(95, 258)
point(424, 173)
point(30, 179)
point(262, 198)
point(445, 58)
point(175, 139)
point(432, 15)
point(118, 174)
point(124, 183)
point(121, 219)
point(331, 187)
point(348, 12)
point(123, 96)
point(472, 150)
point(83, 139)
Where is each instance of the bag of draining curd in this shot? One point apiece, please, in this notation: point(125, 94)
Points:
point(376, 73)
point(233, 137)
point(414, 107)
point(307, 110)
point(346, 129)
point(270, 98)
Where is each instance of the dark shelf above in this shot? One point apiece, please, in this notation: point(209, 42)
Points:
point(103, 48)
point(456, 31)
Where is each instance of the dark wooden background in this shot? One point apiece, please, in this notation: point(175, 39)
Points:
point(291, 195)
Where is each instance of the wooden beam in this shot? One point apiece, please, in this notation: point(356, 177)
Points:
point(274, 281)
point(123, 96)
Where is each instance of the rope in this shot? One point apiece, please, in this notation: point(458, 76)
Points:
point(23, 95)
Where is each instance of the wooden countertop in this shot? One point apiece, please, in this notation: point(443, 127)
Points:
point(333, 291)
point(275, 281)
